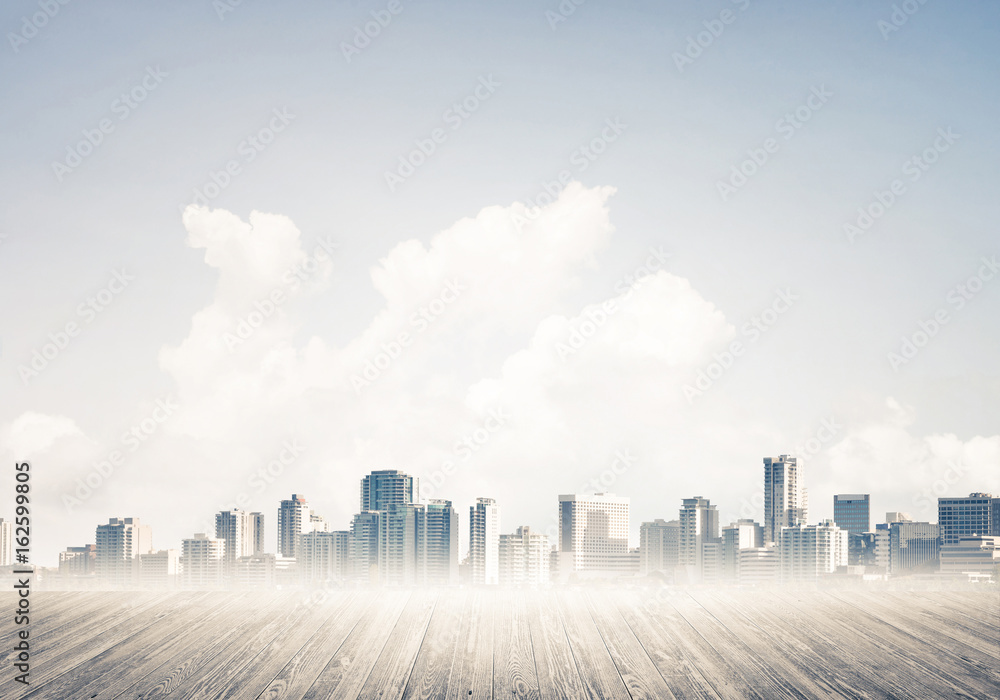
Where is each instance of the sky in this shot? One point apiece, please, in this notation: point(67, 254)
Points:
point(515, 249)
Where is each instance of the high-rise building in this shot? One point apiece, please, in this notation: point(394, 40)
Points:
point(699, 521)
point(659, 544)
point(912, 545)
point(852, 512)
point(160, 570)
point(324, 557)
point(6, 542)
point(237, 529)
point(365, 554)
point(784, 496)
point(809, 551)
point(256, 533)
point(384, 488)
point(78, 561)
point(976, 514)
point(203, 561)
point(119, 543)
point(401, 544)
point(484, 541)
point(293, 520)
point(743, 534)
point(524, 558)
point(593, 535)
point(440, 532)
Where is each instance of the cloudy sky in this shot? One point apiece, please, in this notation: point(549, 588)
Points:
point(516, 249)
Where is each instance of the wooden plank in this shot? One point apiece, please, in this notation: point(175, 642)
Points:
point(514, 674)
point(663, 647)
point(472, 675)
point(637, 671)
point(304, 667)
point(433, 666)
point(345, 673)
point(558, 675)
point(392, 669)
point(597, 670)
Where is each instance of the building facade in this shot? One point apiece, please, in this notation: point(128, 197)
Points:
point(593, 534)
point(659, 546)
point(293, 520)
point(118, 546)
point(976, 514)
point(810, 551)
point(699, 524)
point(743, 534)
point(484, 542)
point(203, 561)
point(524, 558)
point(852, 512)
point(784, 496)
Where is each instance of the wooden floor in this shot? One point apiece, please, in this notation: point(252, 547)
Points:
point(473, 644)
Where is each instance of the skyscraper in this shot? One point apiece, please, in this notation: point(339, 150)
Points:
point(976, 514)
point(237, 529)
point(484, 541)
point(256, 533)
point(293, 520)
point(365, 546)
point(119, 543)
point(593, 534)
point(401, 544)
point(784, 497)
point(912, 545)
point(699, 521)
point(440, 532)
point(659, 544)
point(851, 512)
point(386, 487)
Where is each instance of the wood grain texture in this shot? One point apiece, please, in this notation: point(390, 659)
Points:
point(493, 643)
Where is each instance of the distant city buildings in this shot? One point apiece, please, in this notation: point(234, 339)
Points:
point(852, 512)
point(975, 557)
point(810, 551)
point(659, 547)
point(78, 561)
point(699, 526)
point(203, 561)
point(524, 558)
point(293, 520)
point(784, 496)
point(593, 536)
point(743, 534)
point(118, 546)
point(484, 541)
point(976, 514)
point(160, 570)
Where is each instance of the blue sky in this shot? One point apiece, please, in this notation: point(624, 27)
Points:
point(220, 81)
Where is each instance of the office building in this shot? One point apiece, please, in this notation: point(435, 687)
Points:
point(78, 561)
point(293, 520)
point(912, 547)
point(365, 554)
point(324, 557)
point(440, 533)
point(524, 558)
point(160, 570)
point(976, 514)
point(810, 551)
point(659, 545)
point(203, 561)
point(699, 523)
point(743, 534)
point(384, 488)
point(851, 512)
point(784, 496)
point(972, 557)
point(118, 545)
point(484, 541)
point(237, 529)
point(401, 544)
point(593, 535)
